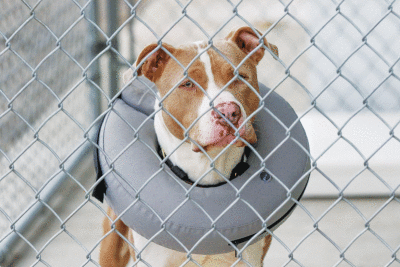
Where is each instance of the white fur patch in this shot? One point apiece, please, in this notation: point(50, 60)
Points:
point(205, 122)
point(196, 164)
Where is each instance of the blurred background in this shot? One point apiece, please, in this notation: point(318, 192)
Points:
point(61, 64)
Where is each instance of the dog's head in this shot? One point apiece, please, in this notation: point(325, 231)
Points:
point(211, 101)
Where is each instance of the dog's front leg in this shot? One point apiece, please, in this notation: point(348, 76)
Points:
point(114, 251)
point(255, 253)
point(152, 254)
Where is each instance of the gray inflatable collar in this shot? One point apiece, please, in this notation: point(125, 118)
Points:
point(206, 217)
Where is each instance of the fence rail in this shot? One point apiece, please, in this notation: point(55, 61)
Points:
point(61, 64)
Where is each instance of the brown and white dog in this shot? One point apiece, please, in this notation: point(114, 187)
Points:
point(209, 127)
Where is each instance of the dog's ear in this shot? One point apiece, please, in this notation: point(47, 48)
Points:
point(154, 65)
point(247, 40)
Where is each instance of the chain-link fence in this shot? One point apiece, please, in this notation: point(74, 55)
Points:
point(34, 107)
point(338, 67)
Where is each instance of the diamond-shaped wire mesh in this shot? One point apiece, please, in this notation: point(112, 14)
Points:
point(35, 112)
point(338, 66)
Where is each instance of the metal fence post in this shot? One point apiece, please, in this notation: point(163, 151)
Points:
point(12, 246)
point(112, 26)
point(94, 45)
point(34, 216)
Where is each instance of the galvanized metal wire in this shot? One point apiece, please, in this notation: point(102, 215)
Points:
point(50, 71)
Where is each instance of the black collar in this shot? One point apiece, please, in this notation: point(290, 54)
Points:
point(239, 169)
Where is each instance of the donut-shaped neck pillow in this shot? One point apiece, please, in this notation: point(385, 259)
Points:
point(155, 202)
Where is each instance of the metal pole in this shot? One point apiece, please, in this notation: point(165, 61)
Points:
point(94, 47)
point(13, 245)
point(112, 8)
point(10, 247)
point(132, 55)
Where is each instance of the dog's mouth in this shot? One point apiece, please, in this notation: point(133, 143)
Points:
point(223, 134)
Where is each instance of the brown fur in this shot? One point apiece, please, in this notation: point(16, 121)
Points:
point(166, 73)
point(181, 101)
point(115, 252)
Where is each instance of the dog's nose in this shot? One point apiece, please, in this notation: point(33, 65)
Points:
point(230, 110)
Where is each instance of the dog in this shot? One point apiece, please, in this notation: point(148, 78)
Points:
point(217, 125)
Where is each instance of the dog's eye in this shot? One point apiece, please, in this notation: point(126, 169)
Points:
point(187, 84)
point(244, 76)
